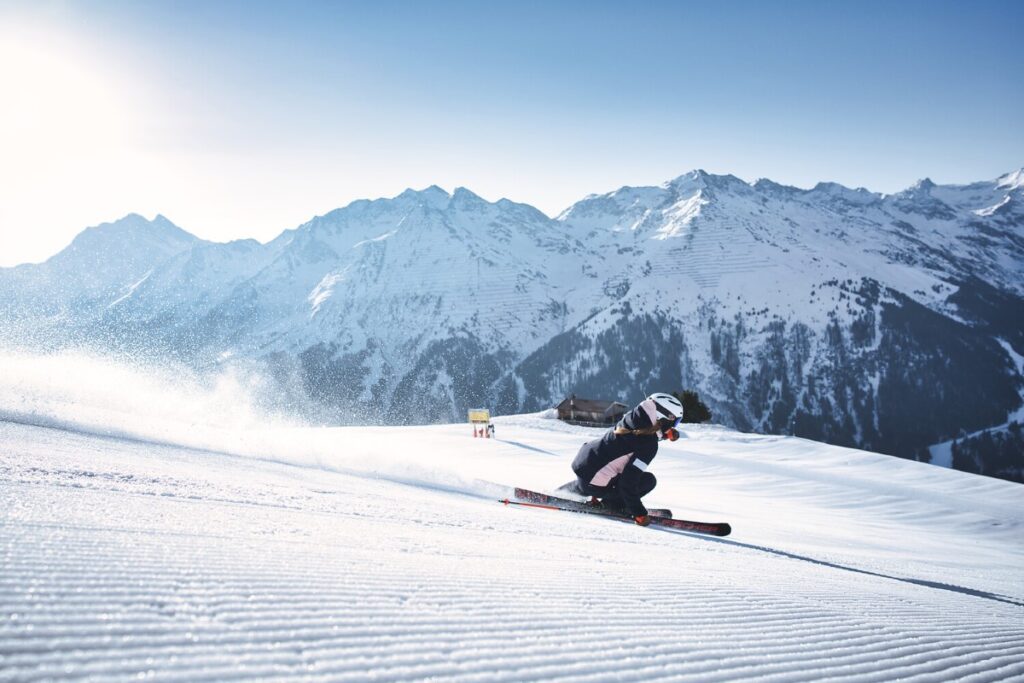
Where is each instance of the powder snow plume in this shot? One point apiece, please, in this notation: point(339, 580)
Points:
point(161, 404)
point(231, 410)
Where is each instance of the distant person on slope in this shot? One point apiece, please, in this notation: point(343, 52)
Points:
point(614, 467)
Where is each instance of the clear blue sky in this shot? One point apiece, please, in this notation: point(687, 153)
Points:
point(244, 119)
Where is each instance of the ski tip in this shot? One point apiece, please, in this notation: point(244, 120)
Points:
point(724, 529)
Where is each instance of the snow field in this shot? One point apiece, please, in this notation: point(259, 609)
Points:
point(382, 554)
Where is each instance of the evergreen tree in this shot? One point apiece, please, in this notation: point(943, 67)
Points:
point(694, 409)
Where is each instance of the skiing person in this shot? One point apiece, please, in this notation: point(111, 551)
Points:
point(613, 468)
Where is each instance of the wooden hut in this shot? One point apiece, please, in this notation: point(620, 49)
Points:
point(592, 412)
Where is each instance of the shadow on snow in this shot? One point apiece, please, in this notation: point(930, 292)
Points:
point(833, 565)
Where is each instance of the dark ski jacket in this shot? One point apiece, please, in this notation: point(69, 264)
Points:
point(620, 460)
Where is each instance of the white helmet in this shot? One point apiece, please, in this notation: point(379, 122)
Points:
point(668, 406)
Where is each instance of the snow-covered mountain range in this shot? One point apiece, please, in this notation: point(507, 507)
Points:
point(893, 323)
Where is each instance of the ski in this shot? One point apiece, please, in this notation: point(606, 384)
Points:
point(709, 528)
point(540, 500)
point(545, 499)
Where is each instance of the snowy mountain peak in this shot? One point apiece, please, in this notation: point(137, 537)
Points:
point(921, 190)
point(836, 191)
point(616, 211)
point(432, 197)
point(135, 222)
point(699, 179)
point(1011, 181)
point(921, 200)
point(828, 187)
point(467, 199)
point(133, 232)
point(101, 263)
point(770, 186)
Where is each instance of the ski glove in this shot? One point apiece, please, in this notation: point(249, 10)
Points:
point(642, 520)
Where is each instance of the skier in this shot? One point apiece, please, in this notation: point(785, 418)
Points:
point(614, 467)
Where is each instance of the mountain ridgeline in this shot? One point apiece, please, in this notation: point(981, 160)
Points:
point(893, 323)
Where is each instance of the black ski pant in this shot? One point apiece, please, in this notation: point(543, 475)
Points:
point(610, 495)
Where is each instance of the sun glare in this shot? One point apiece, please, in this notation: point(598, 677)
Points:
point(70, 138)
point(57, 102)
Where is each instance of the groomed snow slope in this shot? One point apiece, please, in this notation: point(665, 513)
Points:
point(382, 554)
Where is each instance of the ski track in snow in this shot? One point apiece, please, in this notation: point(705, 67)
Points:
point(124, 560)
